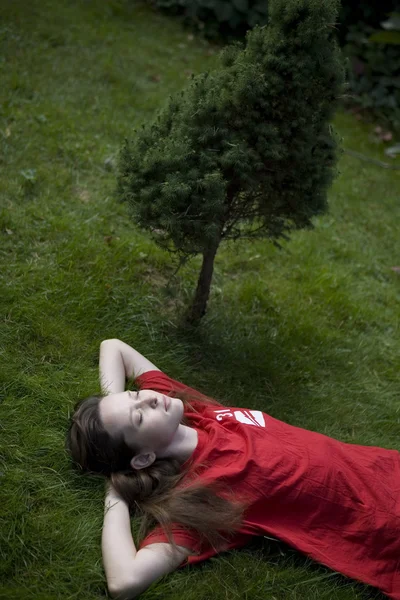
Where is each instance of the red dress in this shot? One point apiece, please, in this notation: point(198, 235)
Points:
point(338, 503)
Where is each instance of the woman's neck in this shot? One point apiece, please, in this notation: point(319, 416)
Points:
point(182, 445)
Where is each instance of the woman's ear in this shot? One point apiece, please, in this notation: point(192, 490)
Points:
point(141, 461)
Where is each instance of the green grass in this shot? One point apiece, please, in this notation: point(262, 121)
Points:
point(309, 334)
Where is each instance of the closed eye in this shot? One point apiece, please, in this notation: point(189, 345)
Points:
point(133, 418)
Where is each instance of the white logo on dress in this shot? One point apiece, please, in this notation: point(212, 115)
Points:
point(248, 417)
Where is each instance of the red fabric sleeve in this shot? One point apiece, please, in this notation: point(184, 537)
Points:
point(181, 535)
point(162, 383)
point(200, 551)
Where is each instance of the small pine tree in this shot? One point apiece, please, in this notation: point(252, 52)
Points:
point(247, 151)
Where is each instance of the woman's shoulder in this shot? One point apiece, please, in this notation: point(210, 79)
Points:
point(158, 381)
point(163, 383)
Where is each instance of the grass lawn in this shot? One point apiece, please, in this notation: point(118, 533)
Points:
point(309, 334)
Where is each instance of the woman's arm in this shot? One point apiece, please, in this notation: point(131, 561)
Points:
point(117, 544)
point(119, 362)
point(129, 572)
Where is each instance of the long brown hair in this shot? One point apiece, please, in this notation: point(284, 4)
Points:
point(154, 494)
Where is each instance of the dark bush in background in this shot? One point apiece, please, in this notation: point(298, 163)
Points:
point(218, 19)
point(374, 68)
point(373, 74)
point(232, 18)
point(367, 12)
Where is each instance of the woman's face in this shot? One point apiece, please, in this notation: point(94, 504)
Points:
point(147, 420)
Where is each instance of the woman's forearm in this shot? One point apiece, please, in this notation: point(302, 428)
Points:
point(119, 362)
point(117, 544)
point(111, 368)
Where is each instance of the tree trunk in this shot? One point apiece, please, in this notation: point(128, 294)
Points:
point(198, 308)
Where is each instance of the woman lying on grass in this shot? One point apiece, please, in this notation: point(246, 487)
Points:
point(207, 478)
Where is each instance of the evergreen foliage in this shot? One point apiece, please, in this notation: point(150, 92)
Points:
point(246, 151)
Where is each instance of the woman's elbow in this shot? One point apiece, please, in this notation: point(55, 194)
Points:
point(123, 591)
point(110, 342)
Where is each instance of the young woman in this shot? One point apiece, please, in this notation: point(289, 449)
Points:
point(206, 478)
